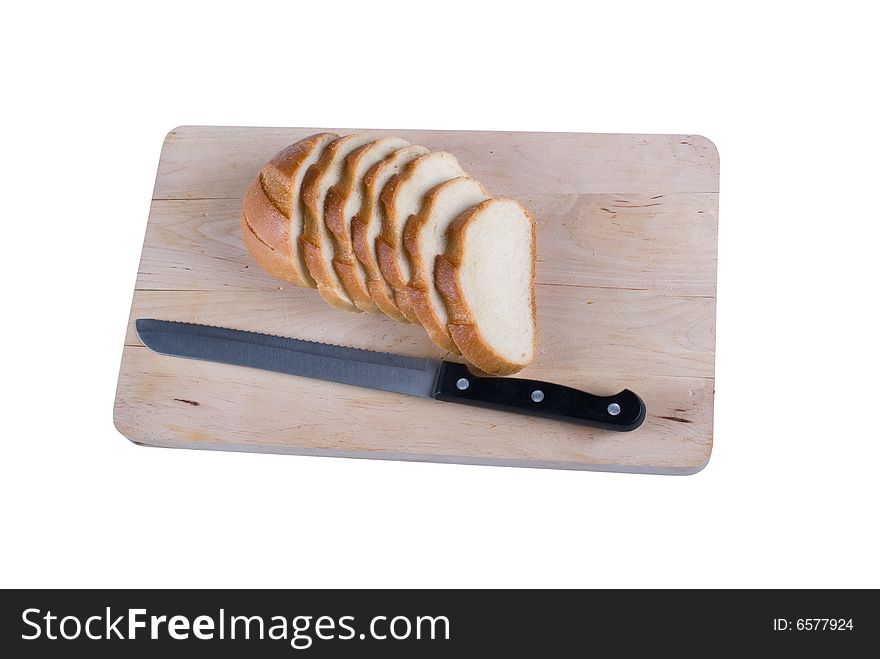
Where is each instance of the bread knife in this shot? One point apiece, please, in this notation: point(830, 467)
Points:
point(415, 376)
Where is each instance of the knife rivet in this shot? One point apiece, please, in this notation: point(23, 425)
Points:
point(614, 409)
point(537, 395)
point(462, 384)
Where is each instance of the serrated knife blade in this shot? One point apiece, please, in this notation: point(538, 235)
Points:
point(322, 361)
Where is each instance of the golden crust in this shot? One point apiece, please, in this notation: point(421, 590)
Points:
point(418, 287)
point(365, 250)
point(388, 235)
point(418, 278)
point(379, 292)
point(267, 206)
point(420, 303)
point(344, 259)
point(358, 293)
point(385, 252)
point(333, 212)
point(315, 263)
point(279, 173)
point(404, 304)
point(462, 326)
point(275, 264)
point(312, 236)
point(376, 287)
point(259, 218)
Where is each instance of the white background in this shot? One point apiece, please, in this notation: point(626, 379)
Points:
point(790, 495)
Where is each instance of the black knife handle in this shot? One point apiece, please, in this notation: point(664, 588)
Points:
point(623, 411)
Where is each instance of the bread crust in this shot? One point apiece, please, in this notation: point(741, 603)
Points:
point(278, 174)
point(462, 326)
point(385, 251)
point(334, 206)
point(276, 259)
point(344, 260)
point(418, 287)
point(376, 287)
point(273, 263)
point(268, 205)
point(329, 287)
point(387, 242)
point(363, 247)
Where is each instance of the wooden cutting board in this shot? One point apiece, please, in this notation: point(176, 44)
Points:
point(625, 286)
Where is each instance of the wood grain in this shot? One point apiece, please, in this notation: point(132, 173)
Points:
point(627, 237)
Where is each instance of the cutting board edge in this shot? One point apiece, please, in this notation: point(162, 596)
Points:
point(209, 127)
point(687, 470)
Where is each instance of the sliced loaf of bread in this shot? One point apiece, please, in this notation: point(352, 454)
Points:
point(424, 238)
point(317, 246)
point(272, 215)
point(487, 278)
point(401, 198)
point(343, 201)
point(367, 223)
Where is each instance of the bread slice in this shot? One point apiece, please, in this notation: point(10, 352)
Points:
point(487, 278)
point(277, 263)
point(402, 197)
point(424, 238)
point(271, 214)
point(315, 240)
point(344, 200)
point(367, 223)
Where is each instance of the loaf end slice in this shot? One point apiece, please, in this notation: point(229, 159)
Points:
point(487, 279)
point(424, 238)
point(272, 213)
point(275, 263)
